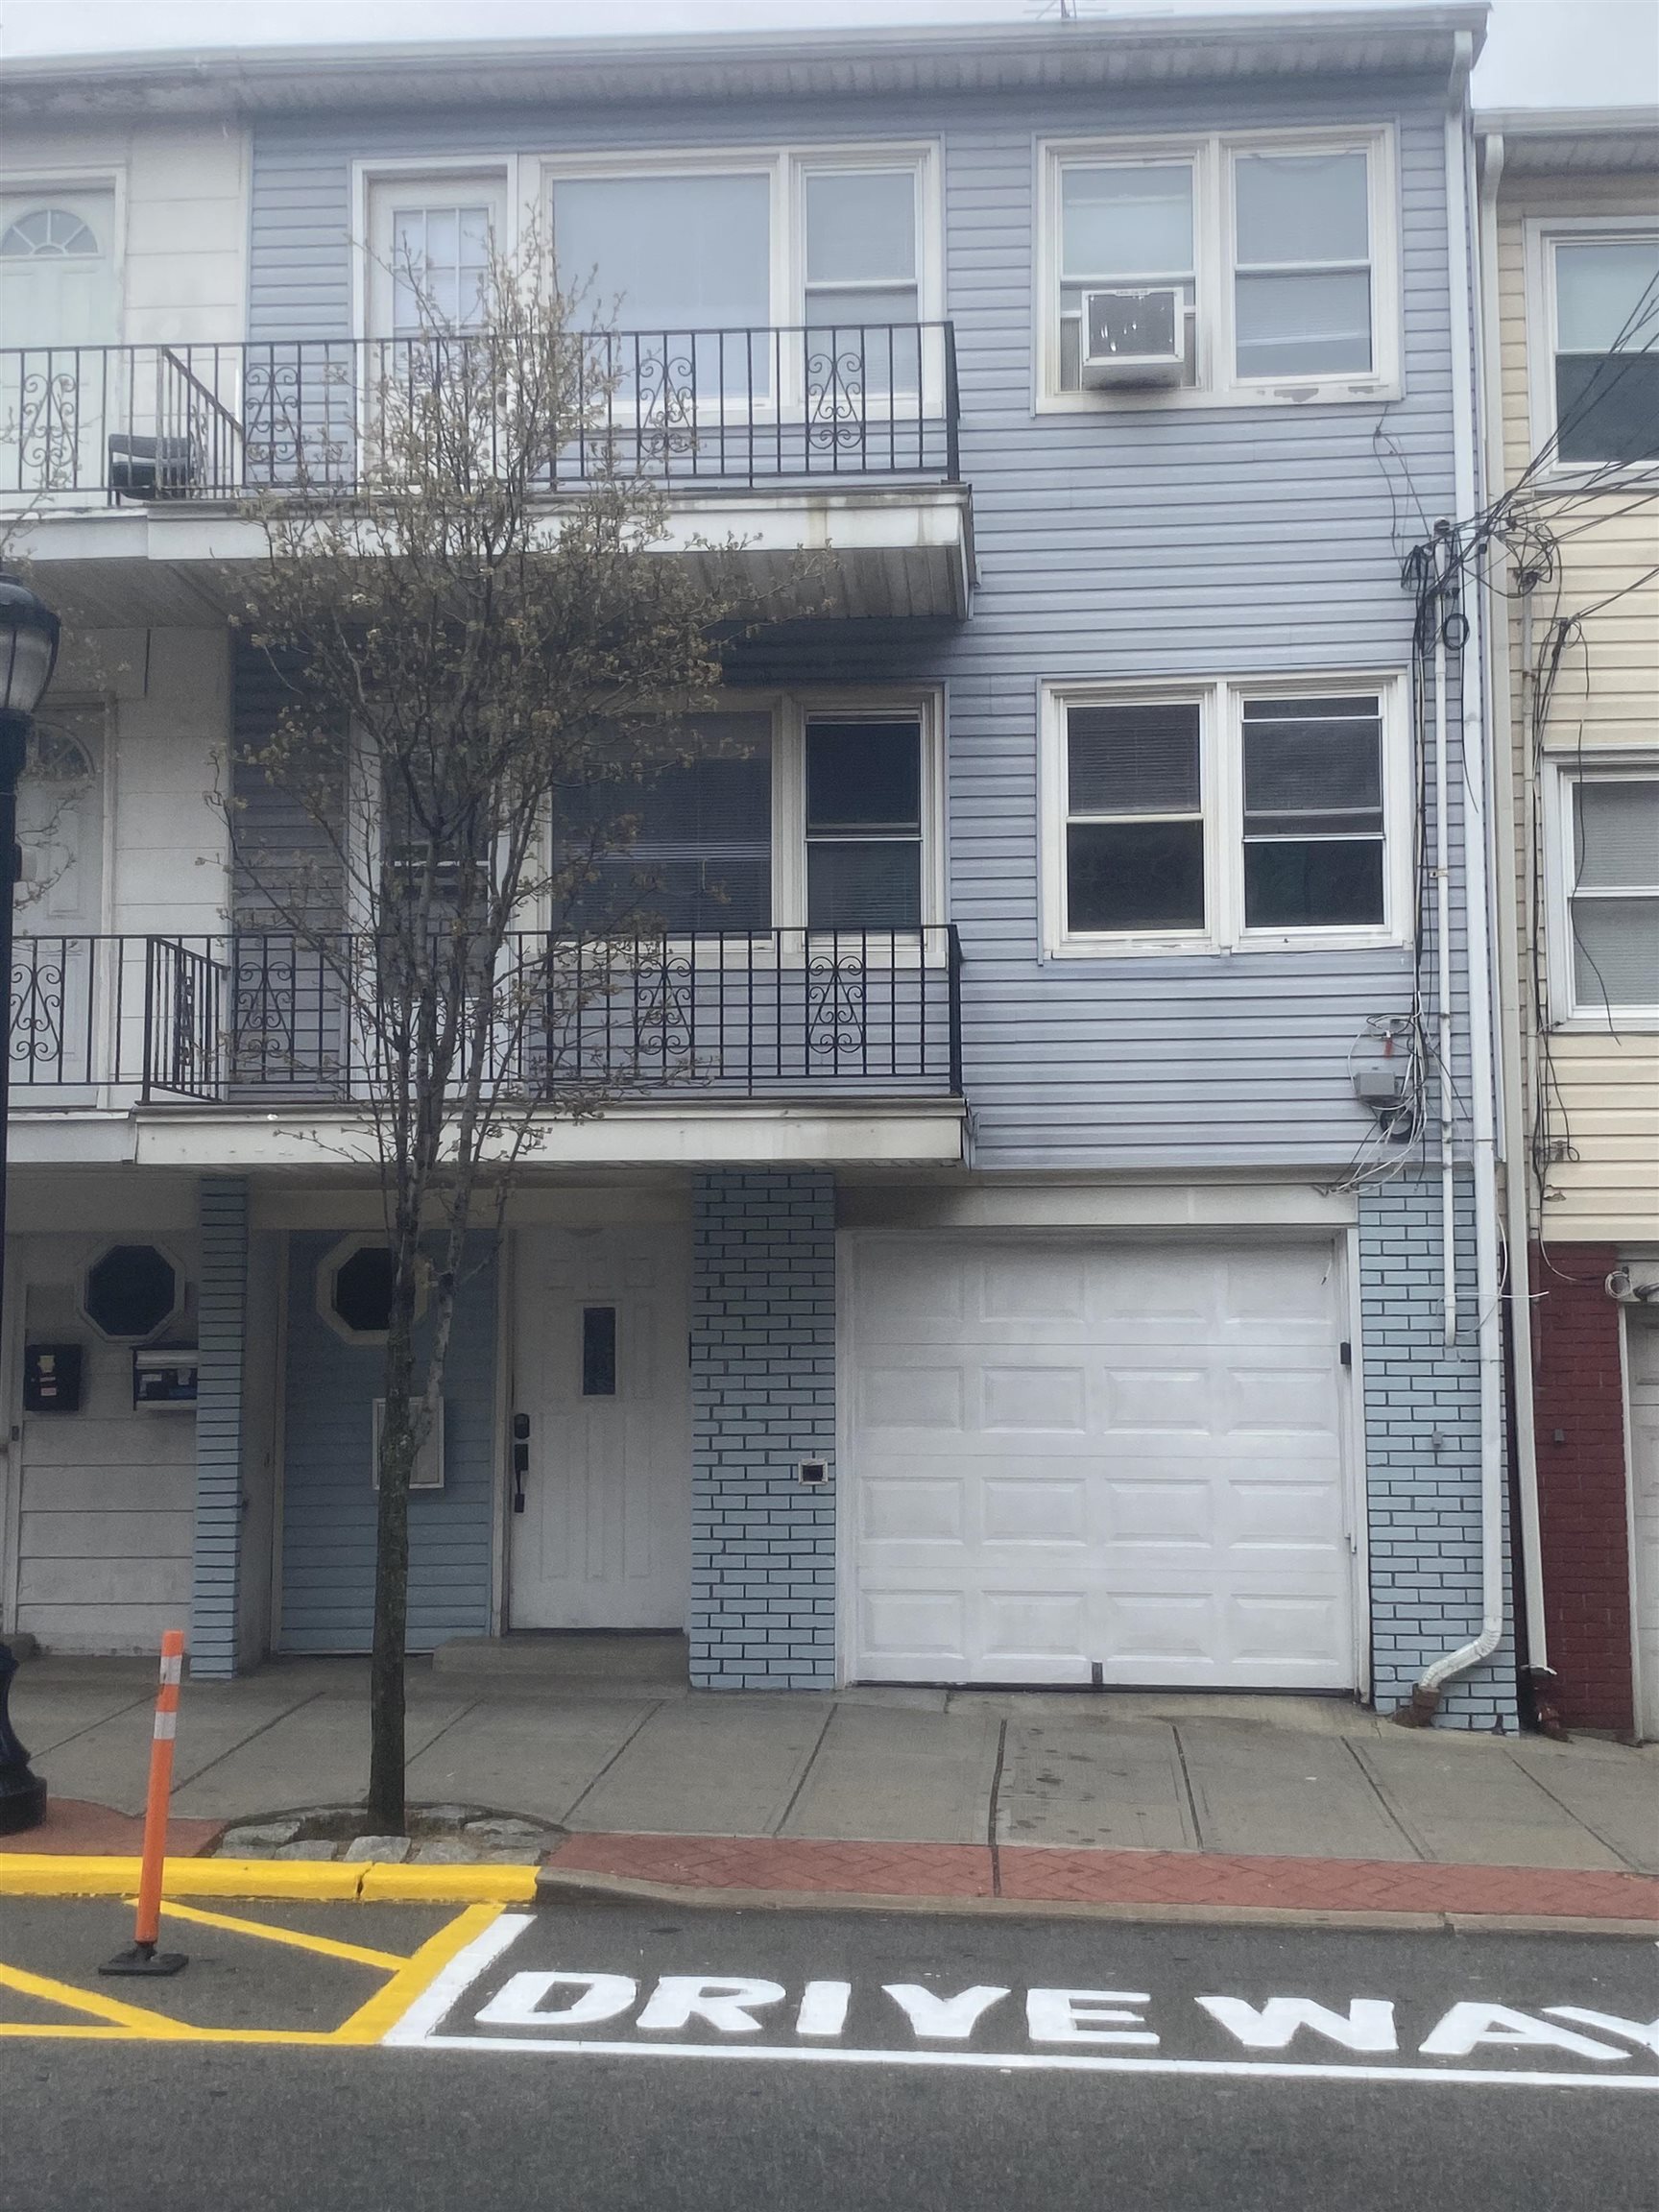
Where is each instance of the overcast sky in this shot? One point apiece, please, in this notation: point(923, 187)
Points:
point(1540, 53)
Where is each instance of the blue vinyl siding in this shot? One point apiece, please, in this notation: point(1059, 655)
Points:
point(1144, 546)
point(328, 1499)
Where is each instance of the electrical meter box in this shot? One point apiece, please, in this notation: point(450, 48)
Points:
point(164, 1378)
point(52, 1379)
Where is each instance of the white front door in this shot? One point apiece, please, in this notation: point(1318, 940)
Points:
point(1070, 1455)
point(1642, 1337)
point(604, 1536)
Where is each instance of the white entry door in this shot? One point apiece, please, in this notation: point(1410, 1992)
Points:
point(1070, 1456)
point(1643, 1340)
point(604, 1537)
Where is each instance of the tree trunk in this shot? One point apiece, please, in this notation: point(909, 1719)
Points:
point(387, 1665)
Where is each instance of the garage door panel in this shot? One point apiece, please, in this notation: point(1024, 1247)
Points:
point(1033, 1509)
point(1068, 1454)
point(930, 1509)
point(918, 1630)
point(1032, 1287)
point(912, 1397)
point(1162, 1512)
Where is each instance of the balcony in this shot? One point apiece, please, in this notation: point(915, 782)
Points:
point(130, 466)
point(260, 1031)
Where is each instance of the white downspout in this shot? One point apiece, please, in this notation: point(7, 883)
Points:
point(1512, 1090)
point(1425, 1694)
point(1443, 1039)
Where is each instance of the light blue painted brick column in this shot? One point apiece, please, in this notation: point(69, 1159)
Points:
point(222, 1308)
point(763, 1397)
point(1422, 1454)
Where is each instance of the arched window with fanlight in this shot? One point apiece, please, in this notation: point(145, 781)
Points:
point(58, 269)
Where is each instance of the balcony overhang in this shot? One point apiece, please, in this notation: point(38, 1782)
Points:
point(867, 1132)
point(874, 552)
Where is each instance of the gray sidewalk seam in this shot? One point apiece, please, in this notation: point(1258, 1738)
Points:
point(1376, 1788)
point(575, 1806)
point(1583, 1821)
point(782, 1822)
point(183, 1781)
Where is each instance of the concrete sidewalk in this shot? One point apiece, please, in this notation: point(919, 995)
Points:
point(1267, 1776)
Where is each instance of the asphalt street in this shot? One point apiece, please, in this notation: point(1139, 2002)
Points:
point(619, 2058)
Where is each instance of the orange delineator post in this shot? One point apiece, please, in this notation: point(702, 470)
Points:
point(143, 1958)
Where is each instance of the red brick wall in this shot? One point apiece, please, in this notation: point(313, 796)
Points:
point(1578, 1401)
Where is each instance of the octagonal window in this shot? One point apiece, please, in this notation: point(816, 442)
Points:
point(363, 1291)
point(354, 1289)
point(130, 1289)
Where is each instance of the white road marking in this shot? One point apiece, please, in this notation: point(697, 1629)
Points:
point(441, 1995)
point(1032, 2062)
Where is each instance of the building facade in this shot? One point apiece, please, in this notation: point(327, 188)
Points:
point(1080, 1263)
point(1571, 218)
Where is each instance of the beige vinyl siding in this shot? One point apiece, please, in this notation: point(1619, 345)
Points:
point(1604, 1120)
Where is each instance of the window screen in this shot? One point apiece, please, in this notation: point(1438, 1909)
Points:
point(1302, 264)
point(1123, 227)
point(1314, 840)
point(1615, 893)
point(701, 858)
point(863, 825)
point(1608, 349)
point(1135, 825)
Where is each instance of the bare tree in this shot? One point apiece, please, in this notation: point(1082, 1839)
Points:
point(461, 640)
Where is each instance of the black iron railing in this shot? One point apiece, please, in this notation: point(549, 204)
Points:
point(716, 407)
point(265, 1015)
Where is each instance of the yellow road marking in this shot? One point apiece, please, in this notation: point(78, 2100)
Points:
point(110, 2009)
point(358, 1954)
point(408, 1978)
point(388, 2006)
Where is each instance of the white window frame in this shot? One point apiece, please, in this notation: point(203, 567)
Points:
point(445, 173)
point(794, 709)
point(789, 713)
point(1218, 384)
point(1562, 778)
point(1221, 770)
point(786, 167)
point(1542, 236)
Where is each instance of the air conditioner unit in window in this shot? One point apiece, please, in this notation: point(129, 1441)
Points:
point(1133, 338)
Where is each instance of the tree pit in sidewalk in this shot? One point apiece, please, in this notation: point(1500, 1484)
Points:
point(435, 1835)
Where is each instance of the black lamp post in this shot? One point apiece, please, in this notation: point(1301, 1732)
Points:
point(29, 632)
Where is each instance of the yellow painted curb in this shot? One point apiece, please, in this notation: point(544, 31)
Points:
point(450, 1884)
point(38, 1874)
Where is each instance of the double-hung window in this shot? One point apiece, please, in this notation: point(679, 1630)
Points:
point(1124, 227)
point(709, 261)
point(1221, 817)
point(1301, 264)
point(1281, 249)
point(1601, 406)
point(1609, 823)
point(785, 816)
point(863, 823)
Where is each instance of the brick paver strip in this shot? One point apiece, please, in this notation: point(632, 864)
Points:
point(76, 1828)
point(1035, 1872)
point(774, 1862)
point(1039, 1874)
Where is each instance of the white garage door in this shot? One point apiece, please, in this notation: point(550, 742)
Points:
point(1068, 1456)
point(1643, 1340)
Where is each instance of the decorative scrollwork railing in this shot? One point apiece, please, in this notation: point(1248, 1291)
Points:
point(716, 406)
point(263, 1015)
